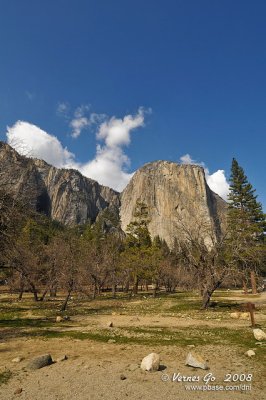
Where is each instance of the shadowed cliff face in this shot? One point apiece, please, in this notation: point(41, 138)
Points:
point(64, 195)
point(177, 196)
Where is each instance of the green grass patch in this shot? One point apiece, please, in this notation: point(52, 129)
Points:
point(5, 376)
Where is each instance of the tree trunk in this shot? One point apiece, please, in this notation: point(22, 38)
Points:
point(34, 291)
point(64, 305)
point(21, 291)
point(206, 297)
point(127, 286)
point(94, 291)
point(245, 289)
point(253, 282)
point(135, 286)
point(43, 295)
point(114, 290)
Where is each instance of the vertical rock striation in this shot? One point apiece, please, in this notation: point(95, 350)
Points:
point(176, 195)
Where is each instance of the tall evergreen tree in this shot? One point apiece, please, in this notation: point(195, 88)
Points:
point(246, 223)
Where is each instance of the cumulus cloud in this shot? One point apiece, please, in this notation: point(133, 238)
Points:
point(109, 167)
point(110, 164)
point(216, 181)
point(32, 141)
point(82, 120)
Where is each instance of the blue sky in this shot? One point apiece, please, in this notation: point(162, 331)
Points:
point(198, 65)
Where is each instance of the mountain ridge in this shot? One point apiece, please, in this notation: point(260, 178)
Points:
point(172, 192)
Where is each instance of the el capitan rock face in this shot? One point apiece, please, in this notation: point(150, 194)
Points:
point(174, 194)
point(171, 192)
point(62, 194)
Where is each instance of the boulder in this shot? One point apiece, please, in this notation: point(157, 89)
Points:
point(196, 361)
point(151, 362)
point(259, 334)
point(235, 315)
point(244, 315)
point(59, 319)
point(40, 362)
point(250, 353)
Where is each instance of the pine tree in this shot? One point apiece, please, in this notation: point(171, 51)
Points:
point(246, 223)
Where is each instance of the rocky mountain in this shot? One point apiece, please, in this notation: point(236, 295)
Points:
point(62, 194)
point(175, 195)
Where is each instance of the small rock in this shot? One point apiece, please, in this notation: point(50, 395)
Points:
point(59, 319)
point(123, 377)
point(196, 361)
point(244, 315)
point(259, 334)
point(17, 359)
point(18, 391)
point(191, 345)
point(250, 353)
point(151, 362)
point(110, 324)
point(66, 318)
point(111, 341)
point(40, 362)
point(235, 315)
point(63, 358)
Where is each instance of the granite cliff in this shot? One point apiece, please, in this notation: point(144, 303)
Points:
point(62, 194)
point(174, 194)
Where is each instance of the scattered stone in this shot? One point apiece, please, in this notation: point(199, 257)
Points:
point(17, 359)
point(250, 353)
point(40, 362)
point(196, 361)
point(244, 315)
point(110, 324)
point(151, 362)
point(259, 334)
point(235, 315)
point(59, 319)
point(63, 358)
point(123, 377)
point(18, 391)
point(111, 341)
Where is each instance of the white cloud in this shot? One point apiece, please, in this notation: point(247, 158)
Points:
point(186, 159)
point(62, 109)
point(109, 166)
point(110, 163)
point(216, 181)
point(30, 140)
point(82, 120)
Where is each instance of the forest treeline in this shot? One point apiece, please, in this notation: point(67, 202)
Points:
point(41, 256)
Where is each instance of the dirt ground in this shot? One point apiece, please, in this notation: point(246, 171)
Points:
point(98, 370)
